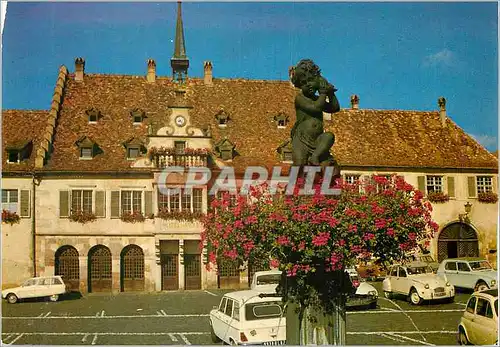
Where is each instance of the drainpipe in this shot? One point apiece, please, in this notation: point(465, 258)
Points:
point(36, 182)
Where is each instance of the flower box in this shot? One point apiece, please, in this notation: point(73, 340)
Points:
point(10, 217)
point(437, 197)
point(179, 215)
point(82, 217)
point(487, 197)
point(135, 217)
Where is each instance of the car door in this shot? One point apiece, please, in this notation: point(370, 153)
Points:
point(465, 276)
point(468, 317)
point(399, 283)
point(484, 324)
point(43, 288)
point(451, 273)
point(217, 321)
point(27, 289)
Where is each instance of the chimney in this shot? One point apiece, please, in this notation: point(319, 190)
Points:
point(79, 68)
point(442, 110)
point(207, 72)
point(151, 75)
point(354, 102)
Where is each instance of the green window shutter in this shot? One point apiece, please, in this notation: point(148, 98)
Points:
point(451, 186)
point(471, 183)
point(63, 203)
point(115, 204)
point(421, 184)
point(25, 204)
point(148, 203)
point(100, 203)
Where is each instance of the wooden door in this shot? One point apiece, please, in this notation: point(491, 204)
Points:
point(228, 276)
point(132, 269)
point(192, 271)
point(68, 266)
point(169, 272)
point(100, 269)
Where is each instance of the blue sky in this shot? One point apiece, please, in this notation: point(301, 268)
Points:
point(393, 55)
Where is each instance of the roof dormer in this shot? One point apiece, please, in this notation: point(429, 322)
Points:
point(281, 120)
point(87, 148)
point(222, 118)
point(135, 148)
point(18, 151)
point(224, 149)
point(93, 115)
point(137, 115)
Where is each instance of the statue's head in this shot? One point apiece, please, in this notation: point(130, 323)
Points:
point(305, 71)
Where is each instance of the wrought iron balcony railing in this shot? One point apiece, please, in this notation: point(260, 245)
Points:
point(187, 160)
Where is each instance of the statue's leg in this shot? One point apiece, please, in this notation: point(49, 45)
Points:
point(324, 142)
point(300, 152)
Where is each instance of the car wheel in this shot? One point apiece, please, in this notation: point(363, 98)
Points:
point(54, 297)
point(232, 342)
point(462, 338)
point(480, 286)
point(373, 305)
point(215, 338)
point(450, 300)
point(11, 298)
point(414, 297)
point(388, 295)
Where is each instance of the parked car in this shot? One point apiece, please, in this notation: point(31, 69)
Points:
point(427, 259)
point(371, 270)
point(469, 273)
point(366, 294)
point(50, 287)
point(479, 323)
point(418, 282)
point(243, 318)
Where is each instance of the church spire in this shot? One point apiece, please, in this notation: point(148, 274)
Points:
point(179, 61)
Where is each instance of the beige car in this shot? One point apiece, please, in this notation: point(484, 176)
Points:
point(50, 287)
point(479, 323)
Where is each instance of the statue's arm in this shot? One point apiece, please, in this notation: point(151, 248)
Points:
point(332, 105)
point(309, 105)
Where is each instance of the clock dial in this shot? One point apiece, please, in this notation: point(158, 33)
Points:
point(180, 121)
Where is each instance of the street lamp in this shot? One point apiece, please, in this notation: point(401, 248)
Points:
point(464, 217)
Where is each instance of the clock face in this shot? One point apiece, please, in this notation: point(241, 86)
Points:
point(180, 121)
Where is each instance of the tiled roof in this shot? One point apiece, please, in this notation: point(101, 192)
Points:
point(19, 127)
point(380, 138)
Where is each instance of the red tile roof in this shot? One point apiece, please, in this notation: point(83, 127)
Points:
point(381, 138)
point(20, 127)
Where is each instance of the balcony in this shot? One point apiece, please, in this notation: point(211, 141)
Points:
point(168, 157)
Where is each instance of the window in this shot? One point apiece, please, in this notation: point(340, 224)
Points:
point(93, 117)
point(263, 310)
point(236, 311)
point(226, 154)
point(190, 200)
point(13, 156)
point(484, 184)
point(471, 305)
point(382, 186)
point(180, 147)
point(174, 201)
point(402, 272)
point(281, 123)
point(451, 266)
point(222, 305)
point(186, 200)
point(46, 281)
point(81, 200)
point(489, 311)
point(86, 152)
point(229, 308)
point(496, 307)
point(463, 267)
point(197, 200)
point(10, 199)
point(351, 179)
point(133, 152)
point(30, 282)
point(131, 201)
point(287, 156)
point(482, 307)
point(394, 272)
point(434, 184)
point(137, 119)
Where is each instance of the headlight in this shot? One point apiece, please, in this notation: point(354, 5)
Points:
point(426, 286)
point(373, 293)
point(493, 282)
point(447, 284)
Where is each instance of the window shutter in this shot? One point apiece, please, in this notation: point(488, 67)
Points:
point(63, 203)
point(451, 186)
point(115, 204)
point(100, 203)
point(471, 182)
point(148, 203)
point(25, 204)
point(421, 183)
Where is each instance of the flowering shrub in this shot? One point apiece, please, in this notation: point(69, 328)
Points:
point(134, 217)
point(487, 197)
point(312, 239)
point(82, 217)
point(163, 213)
point(10, 217)
point(154, 151)
point(437, 197)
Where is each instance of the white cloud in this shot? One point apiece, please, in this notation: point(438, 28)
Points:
point(486, 140)
point(443, 57)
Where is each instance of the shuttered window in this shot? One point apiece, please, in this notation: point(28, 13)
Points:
point(10, 200)
point(434, 184)
point(81, 200)
point(484, 184)
point(471, 185)
point(131, 201)
point(451, 186)
point(84, 200)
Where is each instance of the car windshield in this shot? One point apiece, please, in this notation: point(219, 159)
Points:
point(417, 270)
point(263, 310)
point(480, 265)
point(268, 279)
point(30, 282)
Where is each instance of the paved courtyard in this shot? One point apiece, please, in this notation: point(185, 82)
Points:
point(181, 318)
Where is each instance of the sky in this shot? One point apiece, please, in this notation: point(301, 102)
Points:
point(393, 55)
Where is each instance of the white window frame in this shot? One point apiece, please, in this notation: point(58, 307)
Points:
point(138, 152)
point(434, 181)
point(85, 157)
point(81, 199)
point(482, 184)
point(137, 117)
point(182, 194)
point(132, 200)
point(9, 203)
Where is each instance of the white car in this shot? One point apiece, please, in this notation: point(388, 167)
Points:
point(266, 281)
point(50, 287)
point(479, 323)
point(418, 282)
point(244, 318)
point(470, 273)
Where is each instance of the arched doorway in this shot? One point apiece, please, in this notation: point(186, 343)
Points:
point(132, 269)
point(68, 266)
point(457, 240)
point(100, 276)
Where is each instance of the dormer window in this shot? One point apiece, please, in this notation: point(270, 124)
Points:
point(285, 151)
point(138, 116)
point(133, 152)
point(180, 147)
point(226, 154)
point(134, 148)
point(224, 149)
point(87, 148)
point(13, 156)
point(281, 120)
point(287, 156)
point(93, 115)
point(222, 118)
point(18, 151)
